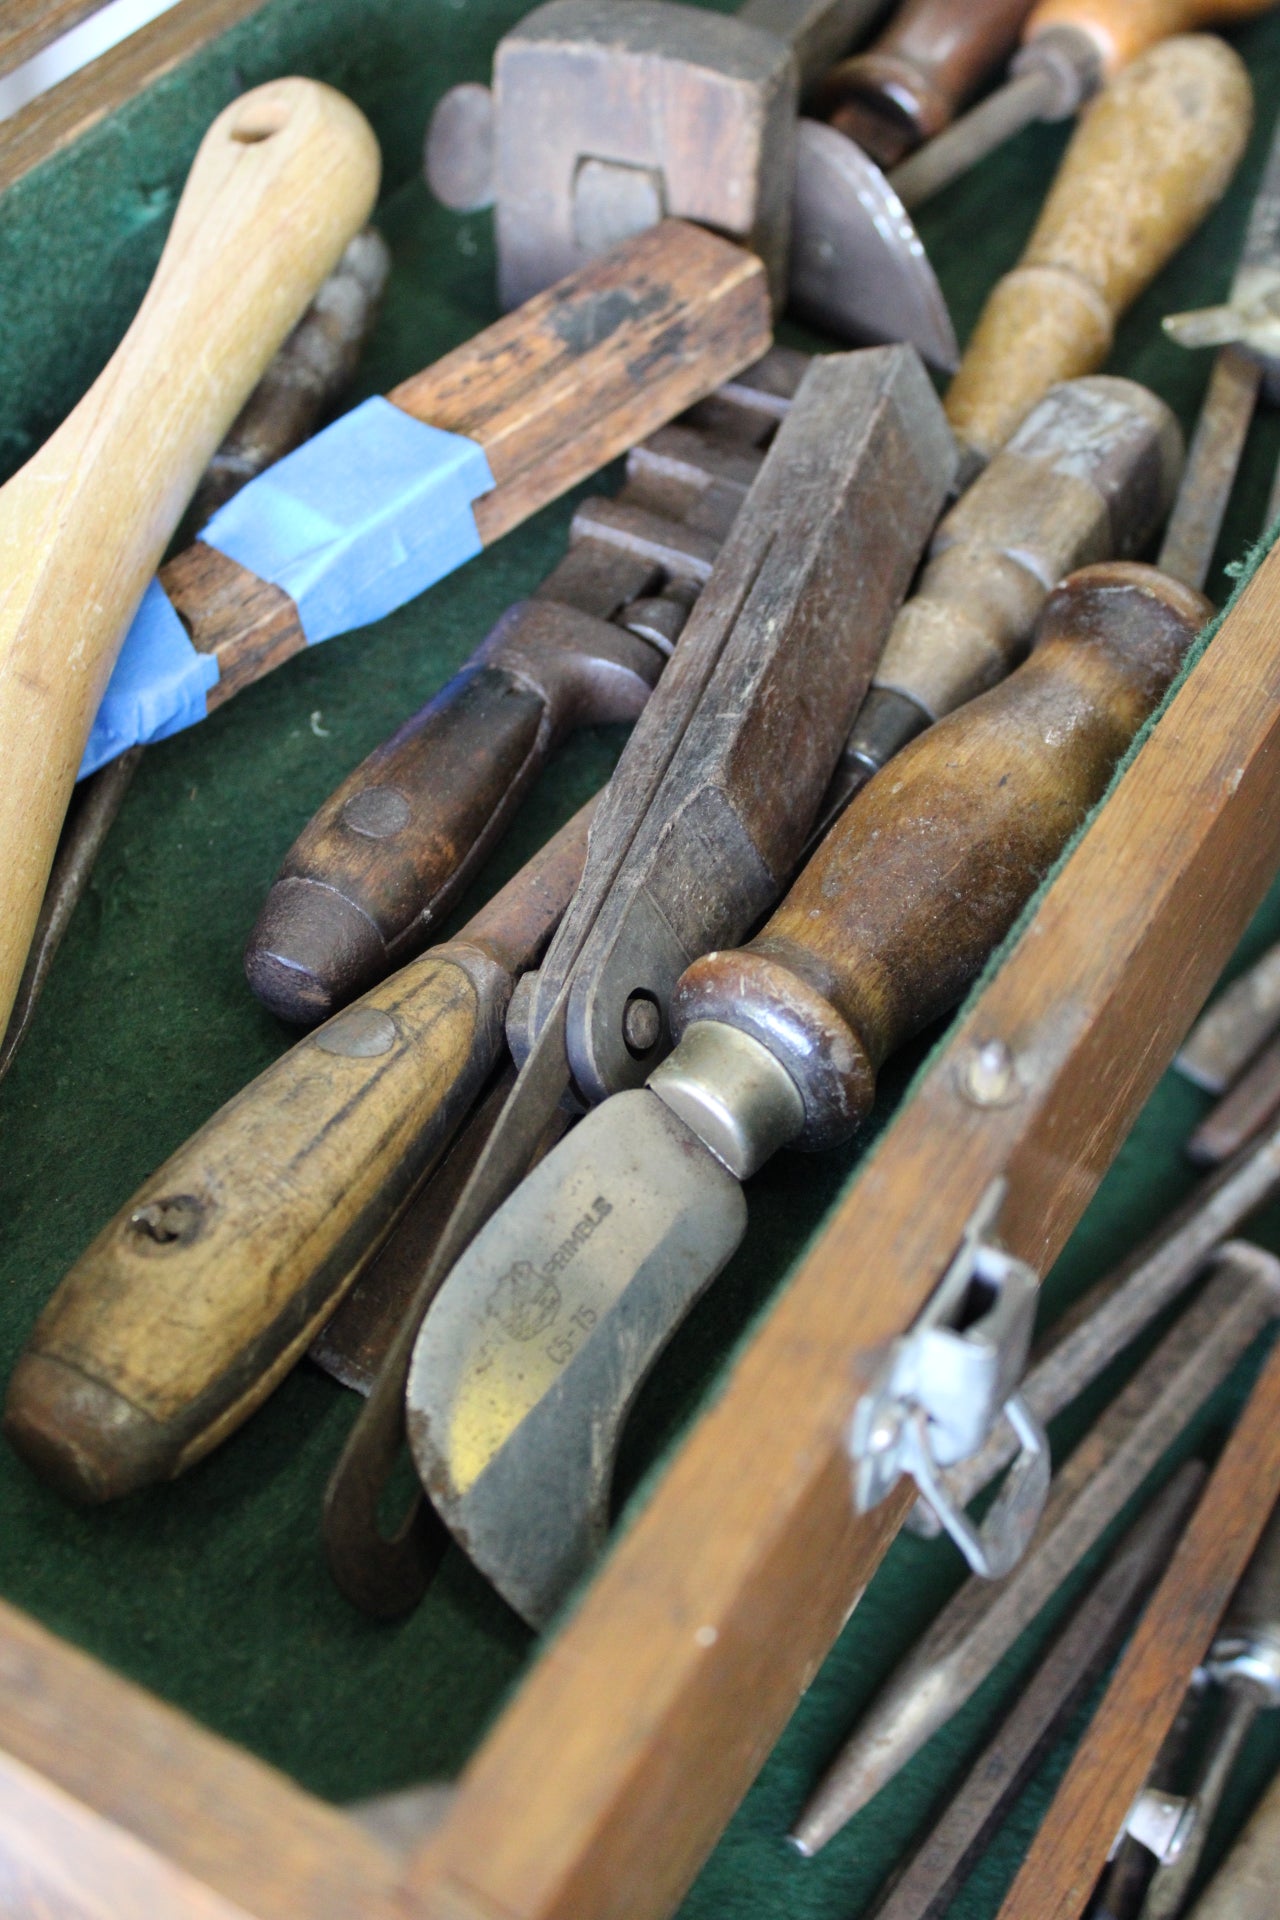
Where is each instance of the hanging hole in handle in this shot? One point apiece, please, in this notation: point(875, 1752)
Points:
point(259, 122)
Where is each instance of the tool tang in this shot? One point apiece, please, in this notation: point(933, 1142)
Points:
point(536, 1344)
point(914, 79)
point(724, 772)
point(282, 180)
point(386, 856)
point(205, 1289)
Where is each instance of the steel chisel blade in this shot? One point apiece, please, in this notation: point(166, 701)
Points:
point(533, 1351)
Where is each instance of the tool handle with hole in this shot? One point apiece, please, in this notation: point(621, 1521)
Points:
point(283, 179)
point(930, 59)
point(192, 1304)
point(1150, 157)
point(391, 849)
point(898, 911)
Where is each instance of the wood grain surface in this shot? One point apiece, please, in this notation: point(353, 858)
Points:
point(720, 1601)
point(1122, 29)
point(283, 179)
point(61, 115)
point(28, 25)
point(114, 1806)
point(1150, 157)
point(1070, 1848)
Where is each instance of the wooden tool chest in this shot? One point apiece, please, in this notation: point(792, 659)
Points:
point(187, 1706)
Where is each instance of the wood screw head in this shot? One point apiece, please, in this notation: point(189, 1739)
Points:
point(989, 1075)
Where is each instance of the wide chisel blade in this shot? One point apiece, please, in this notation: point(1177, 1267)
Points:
point(546, 1327)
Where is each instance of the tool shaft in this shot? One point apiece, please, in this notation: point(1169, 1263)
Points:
point(1244, 1887)
point(84, 523)
point(1028, 97)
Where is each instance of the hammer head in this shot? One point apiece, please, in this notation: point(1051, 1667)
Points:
point(610, 118)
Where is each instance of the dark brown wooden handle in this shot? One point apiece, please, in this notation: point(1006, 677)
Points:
point(897, 913)
point(367, 882)
point(920, 72)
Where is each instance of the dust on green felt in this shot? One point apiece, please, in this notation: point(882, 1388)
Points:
point(214, 1592)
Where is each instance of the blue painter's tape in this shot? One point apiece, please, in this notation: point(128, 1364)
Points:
point(360, 519)
point(158, 686)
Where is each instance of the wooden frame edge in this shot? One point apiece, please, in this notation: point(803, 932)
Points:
point(65, 112)
point(716, 1608)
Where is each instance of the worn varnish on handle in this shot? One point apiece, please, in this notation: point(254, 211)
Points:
point(205, 1289)
point(282, 180)
point(551, 392)
point(1149, 159)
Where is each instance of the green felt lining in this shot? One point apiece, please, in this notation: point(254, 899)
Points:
point(213, 1592)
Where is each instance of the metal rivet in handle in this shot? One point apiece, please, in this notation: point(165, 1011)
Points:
point(362, 1033)
point(377, 812)
point(988, 1075)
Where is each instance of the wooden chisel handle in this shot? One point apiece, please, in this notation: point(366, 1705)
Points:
point(282, 180)
point(898, 911)
point(1150, 157)
point(206, 1288)
point(910, 85)
point(1122, 29)
point(392, 848)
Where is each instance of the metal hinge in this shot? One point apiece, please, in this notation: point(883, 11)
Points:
point(942, 1389)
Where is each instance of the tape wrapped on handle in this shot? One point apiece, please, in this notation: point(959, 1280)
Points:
point(353, 524)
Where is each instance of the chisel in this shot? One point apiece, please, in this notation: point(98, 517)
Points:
point(205, 1289)
point(528, 1361)
point(282, 180)
point(1069, 49)
point(980, 1624)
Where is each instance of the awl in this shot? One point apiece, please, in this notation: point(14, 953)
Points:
point(529, 1359)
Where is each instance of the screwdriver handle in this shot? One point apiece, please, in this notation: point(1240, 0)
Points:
point(913, 81)
point(926, 871)
point(1150, 157)
point(1122, 29)
point(383, 860)
point(283, 179)
point(192, 1304)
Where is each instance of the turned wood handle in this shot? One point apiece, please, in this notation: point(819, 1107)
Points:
point(282, 180)
point(920, 72)
point(206, 1288)
point(1150, 157)
point(927, 870)
point(370, 878)
point(1122, 29)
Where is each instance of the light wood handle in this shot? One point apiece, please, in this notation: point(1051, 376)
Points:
point(1151, 156)
point(205, 1289)
point(1122, 29)
point(897, 912)
point(282, 181)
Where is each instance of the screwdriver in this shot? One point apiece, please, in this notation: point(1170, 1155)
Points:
point(1070, 48)
point(194, 1301)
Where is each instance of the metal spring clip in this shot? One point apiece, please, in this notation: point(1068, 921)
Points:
point(941, 1391)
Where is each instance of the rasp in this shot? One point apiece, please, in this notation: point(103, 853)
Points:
point(528, 1362)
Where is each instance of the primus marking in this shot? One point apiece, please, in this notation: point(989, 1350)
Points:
point(526, 1299)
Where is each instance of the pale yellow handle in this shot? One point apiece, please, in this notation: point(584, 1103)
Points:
point(282, 181)
point(1153, 153)
point(1122, 29)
